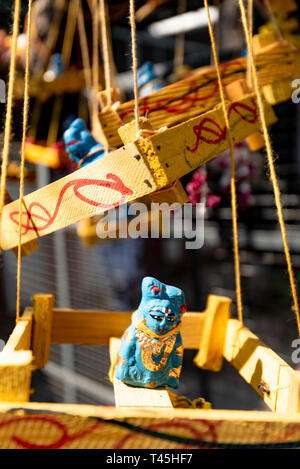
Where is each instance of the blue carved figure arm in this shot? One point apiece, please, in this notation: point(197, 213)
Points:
point(151, 349)
point(79, 143)
point(125, 360)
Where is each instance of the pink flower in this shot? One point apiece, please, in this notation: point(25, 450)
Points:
point(213, 200)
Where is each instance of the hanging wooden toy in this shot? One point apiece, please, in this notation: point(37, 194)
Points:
point(58, 79)
point(151, 351)
point(148, 82)
point(144, 417)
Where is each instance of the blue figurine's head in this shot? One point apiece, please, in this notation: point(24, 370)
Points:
point(161, 306)
point(145, 74)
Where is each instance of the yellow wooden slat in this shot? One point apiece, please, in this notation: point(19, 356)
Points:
point(274, 380)
point(15, 376)
point(281, 90)
point(211, 346)
point(97, 427)
point(46, 156)
point(42, 327)
point(197, 94)
point(96, 327)
point(187, 146)
point(133, 171)
point(117, 178)
point(20, 339)
point(130, 396)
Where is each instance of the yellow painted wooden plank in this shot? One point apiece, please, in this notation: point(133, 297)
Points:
point(42, 328)
point(236, 90)
point(211, 347)
point(72, 81)
point(108, 412)
point(15, 375)
point(197, 94)
point(274, 380)
point(96, 327)
point(46, 156)
point(187, 146)
point(20, 338)
point(26, 248)
point(170, 195)
point(286, 6)
point(130, 172)
point(130, 396)
point(117, 178)
point(281, 89)
point(97, 427)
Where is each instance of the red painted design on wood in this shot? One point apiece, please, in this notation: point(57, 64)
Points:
point(209, 131)
point(187, 426)
point(180, 105)
point(63, 440)
point(37, 212)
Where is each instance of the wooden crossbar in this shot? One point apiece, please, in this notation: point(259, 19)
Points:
point(72, 81)
point(98, 427)
point(82, 327)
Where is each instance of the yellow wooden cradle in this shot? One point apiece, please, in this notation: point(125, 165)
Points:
point(130, 425)
point(148, 164)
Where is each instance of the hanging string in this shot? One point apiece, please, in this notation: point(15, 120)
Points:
point(66, 54)
point(8, 118)
point(105, 52)
point(179, 42)
point(25, 122)
point(134, 64)
point(271, 164)
point(232, 180)
point(95, 63)
point(273, 21)
point(85, 56)
point(250, 22)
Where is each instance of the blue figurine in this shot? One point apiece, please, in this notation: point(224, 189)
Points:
point(151, 350)
point(147, 81)
point(81, 145)
point(55, 68)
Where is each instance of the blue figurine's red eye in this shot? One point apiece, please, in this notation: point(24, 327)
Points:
point(155, 289)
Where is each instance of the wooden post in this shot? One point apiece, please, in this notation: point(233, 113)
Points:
point(103, 99)
point(42, 328)
point(281, 90)
point(211, 347)
point(20, 338)
point(99, 128)
point(15, 375)
point(172, 194)
point(15, 362)
point(236, 90)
